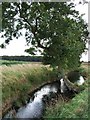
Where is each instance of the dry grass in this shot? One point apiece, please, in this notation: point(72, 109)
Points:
point(18, 80)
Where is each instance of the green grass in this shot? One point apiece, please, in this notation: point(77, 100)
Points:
point(9, 62)
point(76, 108)
point(20, 79)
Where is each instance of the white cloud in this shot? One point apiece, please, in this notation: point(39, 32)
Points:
point(16, 47)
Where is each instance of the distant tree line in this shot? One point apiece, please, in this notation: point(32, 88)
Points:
point(23, 58)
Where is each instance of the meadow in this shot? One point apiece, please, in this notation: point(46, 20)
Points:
point(10, 62)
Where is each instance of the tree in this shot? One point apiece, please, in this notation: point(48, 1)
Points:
point(56, 28)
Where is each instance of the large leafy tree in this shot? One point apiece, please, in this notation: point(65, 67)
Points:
point(56, 28)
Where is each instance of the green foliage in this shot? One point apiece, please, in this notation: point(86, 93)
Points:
point(57, 28)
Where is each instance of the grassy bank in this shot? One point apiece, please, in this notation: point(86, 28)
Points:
point(18, 80)
point(76, 108)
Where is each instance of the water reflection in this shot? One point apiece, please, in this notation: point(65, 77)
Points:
point(35, 107)
point(31, 110)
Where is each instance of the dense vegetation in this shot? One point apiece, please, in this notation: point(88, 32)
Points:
point(22, 58)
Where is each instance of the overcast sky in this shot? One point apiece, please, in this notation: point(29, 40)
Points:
point(17, 46)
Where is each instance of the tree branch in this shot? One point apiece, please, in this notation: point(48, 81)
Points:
point(33, 29)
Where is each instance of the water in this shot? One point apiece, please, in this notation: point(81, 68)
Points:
point(35, 107)
point(63, 86)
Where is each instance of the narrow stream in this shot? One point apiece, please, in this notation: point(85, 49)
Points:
point(36, 105)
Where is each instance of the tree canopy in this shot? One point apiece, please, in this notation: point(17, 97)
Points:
point(55, 27)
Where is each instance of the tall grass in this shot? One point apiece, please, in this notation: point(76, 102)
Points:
point(76, 108)
point(18, 80)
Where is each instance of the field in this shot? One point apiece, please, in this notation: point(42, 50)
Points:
point(20, 79)
point(8, 63)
